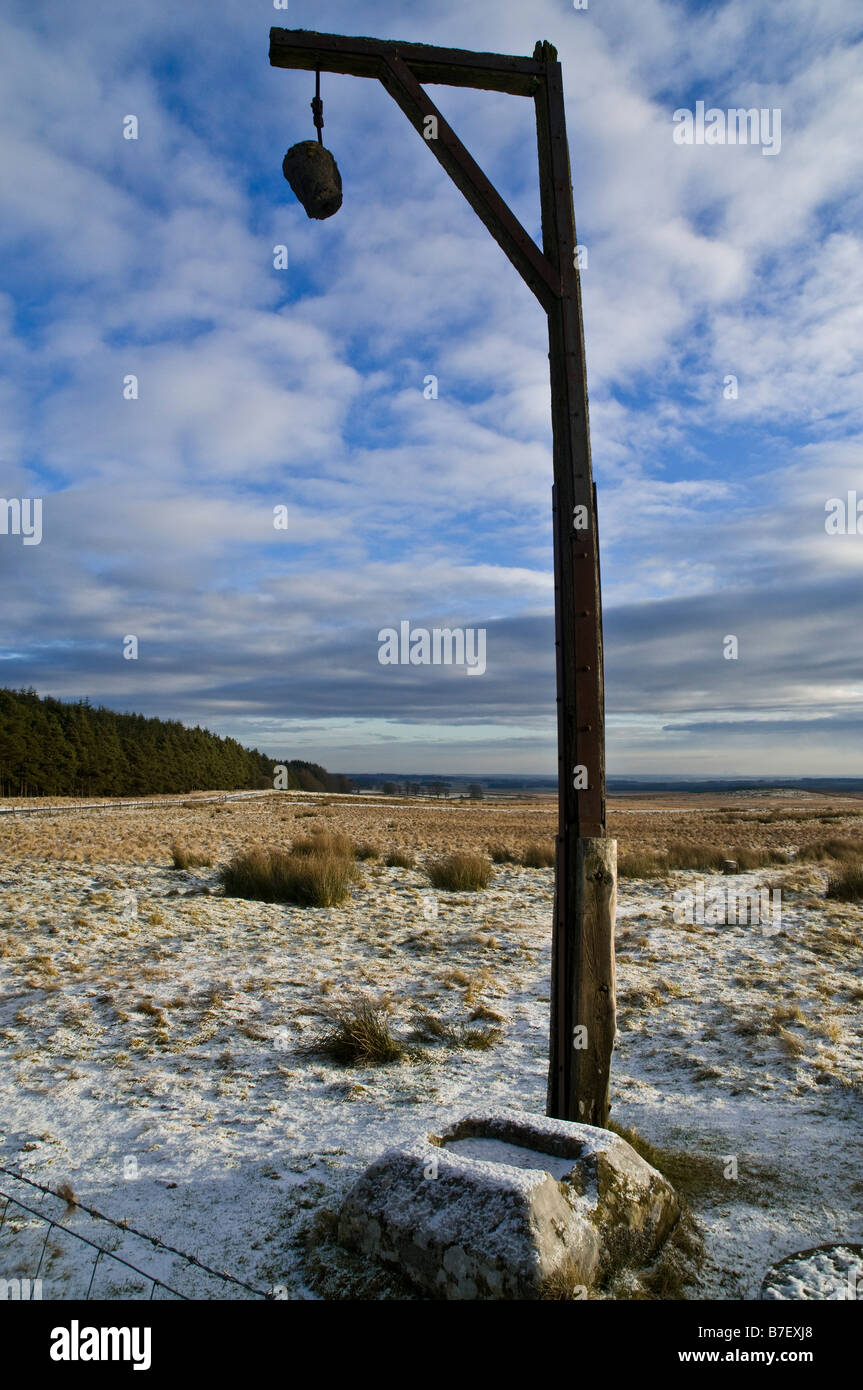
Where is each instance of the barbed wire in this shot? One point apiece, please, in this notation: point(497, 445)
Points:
point(127, 1229)
point(100, 1249)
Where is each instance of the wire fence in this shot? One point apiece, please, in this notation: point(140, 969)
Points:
point(55, 1224)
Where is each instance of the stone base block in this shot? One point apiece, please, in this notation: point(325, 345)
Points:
point(497, 1205)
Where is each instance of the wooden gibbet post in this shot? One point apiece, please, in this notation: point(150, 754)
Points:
point(583, 993)
point(583, 1009)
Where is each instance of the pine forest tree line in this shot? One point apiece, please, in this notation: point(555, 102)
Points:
point(50, 747)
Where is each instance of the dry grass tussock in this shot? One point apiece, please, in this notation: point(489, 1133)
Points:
point(304, 878)
point(359, 1035)
point(400, 859)
point(503, 854)
point(325, 843)
point(460, 873)
point(535, 855)
point(846, 884)
point(538, 856)
point(183, 858)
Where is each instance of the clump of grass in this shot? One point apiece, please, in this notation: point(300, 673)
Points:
point(757, 858)
point(843, 850)
point(786, 1013)
point(146, 1006)
point(400, 859)
point(682, 854)
point(367, 851)
point(360, 1036)
point(632, 999)
point(790, 1043)
point(564, 1283)
point(429, 1028)
point(460, 873)
point(188, 859)
point(67, 1192)
point(502, 854)
point(483, 1014)
point(641, 863)
point(679, 1260)
point(846, 884)
point(538, 857)
point(316, 879)
point(326, 843)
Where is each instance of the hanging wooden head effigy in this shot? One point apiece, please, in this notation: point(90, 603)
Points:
point(312, 171)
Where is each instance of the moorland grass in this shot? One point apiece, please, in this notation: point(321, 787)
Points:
point(325, 842)
point(367, 851)
point(304, 878)
point(538, 856)
point(843, 850)
point(460, 873)
point(502, 854)
point(360, 1035)
point(682, 854)
point(188, 859)
point(641, 863)
point(400, 859)
point(846, 884)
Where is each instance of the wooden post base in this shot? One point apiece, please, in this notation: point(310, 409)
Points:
point(583, 1000)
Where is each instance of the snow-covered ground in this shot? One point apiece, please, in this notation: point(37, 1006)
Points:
point(152, 1036)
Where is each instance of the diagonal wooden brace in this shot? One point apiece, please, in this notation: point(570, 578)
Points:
point(534, 268)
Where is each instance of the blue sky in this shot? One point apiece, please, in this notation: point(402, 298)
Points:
point(304, 387)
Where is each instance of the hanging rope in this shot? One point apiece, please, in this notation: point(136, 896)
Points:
point(318, 107)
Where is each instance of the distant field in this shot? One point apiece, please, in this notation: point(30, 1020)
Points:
point(648, 820)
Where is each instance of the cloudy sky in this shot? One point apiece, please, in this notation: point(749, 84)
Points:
point(303, 387)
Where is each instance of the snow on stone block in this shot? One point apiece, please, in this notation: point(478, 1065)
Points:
point(497, 1204)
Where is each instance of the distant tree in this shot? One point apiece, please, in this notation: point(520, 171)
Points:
point(308, 781)
point(52, 748)
point(475, 792)
point(390, 789)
